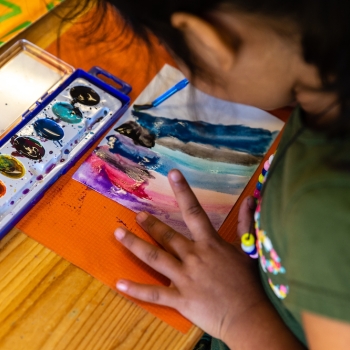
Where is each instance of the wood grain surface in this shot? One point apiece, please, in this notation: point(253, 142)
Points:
point(48, 303)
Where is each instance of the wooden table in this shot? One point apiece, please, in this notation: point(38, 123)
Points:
point(48, 303)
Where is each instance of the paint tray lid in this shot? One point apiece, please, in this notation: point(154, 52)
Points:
point(27, 75)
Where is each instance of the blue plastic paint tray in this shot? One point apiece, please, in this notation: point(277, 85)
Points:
point(50, 115)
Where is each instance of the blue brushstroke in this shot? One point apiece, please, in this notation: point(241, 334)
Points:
point(205, 174)
point(175, 159)
point(139, 155)
point(255, 141)
point(200, 173)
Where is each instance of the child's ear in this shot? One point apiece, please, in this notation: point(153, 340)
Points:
point(204, 41)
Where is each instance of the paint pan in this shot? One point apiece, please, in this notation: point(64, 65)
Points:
point(51, 114)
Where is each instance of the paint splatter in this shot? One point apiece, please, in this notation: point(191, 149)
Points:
point(11, 167)
point(2, 189)
point(48, 129)
point(67, 112)
point(28, 147)
point(84, 95)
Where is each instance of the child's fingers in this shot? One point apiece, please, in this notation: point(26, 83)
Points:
point(153, 294)
point(153, 256)
point(246, 216)
point(193, 214)
point(171, 240)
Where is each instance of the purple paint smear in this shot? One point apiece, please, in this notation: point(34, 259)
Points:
point(157, 202)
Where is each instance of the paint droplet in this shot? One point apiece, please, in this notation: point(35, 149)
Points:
point(50, 168)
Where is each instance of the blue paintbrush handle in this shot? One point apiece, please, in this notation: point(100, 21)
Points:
point(179, 86)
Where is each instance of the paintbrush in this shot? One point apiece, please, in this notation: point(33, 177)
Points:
point(179, 86)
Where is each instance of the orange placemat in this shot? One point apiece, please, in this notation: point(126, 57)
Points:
point(77, 222)
point(16, 15)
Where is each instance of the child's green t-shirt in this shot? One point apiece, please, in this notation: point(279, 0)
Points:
point(305, 227)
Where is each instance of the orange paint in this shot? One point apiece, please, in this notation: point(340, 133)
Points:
point(2, 189)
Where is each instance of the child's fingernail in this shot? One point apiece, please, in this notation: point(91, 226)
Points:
point(141, 217)
point(119, 233)
point(175, 175)
point(122, 286)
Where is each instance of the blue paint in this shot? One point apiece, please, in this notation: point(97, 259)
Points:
point(200, 173)
point(48, 129)
point(175, 159)
point(67, 112)
point(255, 141)
point(136, 154)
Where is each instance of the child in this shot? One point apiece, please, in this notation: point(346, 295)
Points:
point(268, 54)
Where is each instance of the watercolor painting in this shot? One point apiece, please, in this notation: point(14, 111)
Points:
point(216, 144)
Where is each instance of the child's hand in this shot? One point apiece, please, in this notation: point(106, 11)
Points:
point(213, 282)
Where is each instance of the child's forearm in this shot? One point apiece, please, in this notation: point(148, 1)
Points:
point(260, 327)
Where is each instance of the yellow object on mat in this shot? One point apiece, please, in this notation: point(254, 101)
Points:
point(16, 15)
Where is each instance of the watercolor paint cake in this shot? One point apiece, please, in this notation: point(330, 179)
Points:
point(49, 138)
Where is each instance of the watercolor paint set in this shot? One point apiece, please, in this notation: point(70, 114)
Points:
point(50, 115)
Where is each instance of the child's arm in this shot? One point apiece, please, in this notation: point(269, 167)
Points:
point(324, 333)
point(214, 284)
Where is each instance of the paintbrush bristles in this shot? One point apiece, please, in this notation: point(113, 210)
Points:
point(142, 107)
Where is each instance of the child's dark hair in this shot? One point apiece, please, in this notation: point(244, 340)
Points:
point(324, 28)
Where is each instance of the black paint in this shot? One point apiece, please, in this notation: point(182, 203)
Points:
point(84, 95)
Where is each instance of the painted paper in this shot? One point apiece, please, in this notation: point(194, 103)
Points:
point(216, 144)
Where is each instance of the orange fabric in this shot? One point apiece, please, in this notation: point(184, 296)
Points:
point(77, 222)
